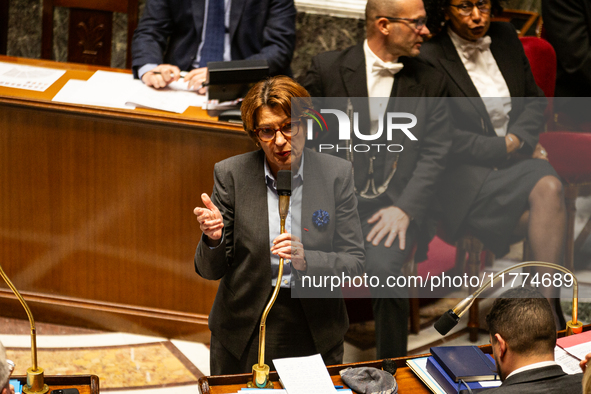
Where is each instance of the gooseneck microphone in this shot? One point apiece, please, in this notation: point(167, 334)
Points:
point(284, 191)
point(450, 318)
point(260, 371)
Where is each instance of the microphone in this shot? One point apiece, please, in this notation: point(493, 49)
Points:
point(260, 371)
point(284, 191)
point(35, 377)
point(451, 318)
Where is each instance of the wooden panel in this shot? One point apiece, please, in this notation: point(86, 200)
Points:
point(98, 204)
point(89, 20)
point(89, 39)
point(101, 5)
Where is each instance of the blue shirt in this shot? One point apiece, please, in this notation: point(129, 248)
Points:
point(293, 222)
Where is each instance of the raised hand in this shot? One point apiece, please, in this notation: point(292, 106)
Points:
point(210, 220)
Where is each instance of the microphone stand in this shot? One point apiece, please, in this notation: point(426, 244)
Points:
point(260, 371)
point(35, 382)
point(449, 319)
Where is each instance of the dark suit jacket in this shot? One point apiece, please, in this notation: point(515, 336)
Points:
point(342, 74)
point(568, 27)
point(476, 148)
point(243, 261)
point(543, 380)
point(170, 32)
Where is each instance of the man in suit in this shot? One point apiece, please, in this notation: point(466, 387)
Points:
point(241, 244)
point(393, 189)
point(175, 35)
point(568, 29)
point(523, 338)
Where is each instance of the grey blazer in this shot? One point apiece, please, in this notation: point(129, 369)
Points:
point(243, 261)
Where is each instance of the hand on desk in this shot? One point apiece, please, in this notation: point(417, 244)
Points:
point(161, 75)
point(210, 221)
point(196, 78)
point(391, 222)
point(291, 248)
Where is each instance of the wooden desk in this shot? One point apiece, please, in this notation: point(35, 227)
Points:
point(86, 384)
point(96, 215)
point(407, 381)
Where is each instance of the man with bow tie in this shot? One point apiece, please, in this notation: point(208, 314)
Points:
point(394, 189)
point(499, 185)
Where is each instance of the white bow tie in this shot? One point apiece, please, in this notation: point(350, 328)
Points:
point(469, 49)
point(392, 68)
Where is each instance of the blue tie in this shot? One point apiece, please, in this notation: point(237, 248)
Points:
point(215, 29)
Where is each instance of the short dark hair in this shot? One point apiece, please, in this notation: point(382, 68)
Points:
point(273, 92)
point(523, 317)
point(436, 13)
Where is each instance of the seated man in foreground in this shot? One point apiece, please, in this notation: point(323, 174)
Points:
point(523, 338)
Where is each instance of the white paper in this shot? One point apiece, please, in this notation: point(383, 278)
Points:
point(580, 350)
point(490, 383)
point(111, 89)
point(568, 362)
point(28, 77)
point(84, 93)
point(304, 375)
point(165, 99)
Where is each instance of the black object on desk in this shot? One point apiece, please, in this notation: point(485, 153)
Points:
point(228, 81)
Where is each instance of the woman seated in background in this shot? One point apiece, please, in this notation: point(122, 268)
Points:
point(241, 242)
point(499, 185)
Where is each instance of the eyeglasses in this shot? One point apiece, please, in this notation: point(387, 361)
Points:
point(419, 23)
point(289, 130)
point(466, 8)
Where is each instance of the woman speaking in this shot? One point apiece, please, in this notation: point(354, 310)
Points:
point(241, 242)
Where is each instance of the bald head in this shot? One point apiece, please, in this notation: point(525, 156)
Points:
point(375, 8)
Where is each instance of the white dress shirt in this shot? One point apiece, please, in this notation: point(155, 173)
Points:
point(487, 78)
point(380, 80)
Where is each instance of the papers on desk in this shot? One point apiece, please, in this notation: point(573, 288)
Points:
point(118, 90)
point(28, 77)
point(572, 349)
point(166, 99)
point(304, 375)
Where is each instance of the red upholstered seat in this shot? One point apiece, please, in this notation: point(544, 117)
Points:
point(540, 53)
point(570, 154)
